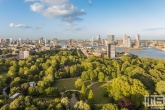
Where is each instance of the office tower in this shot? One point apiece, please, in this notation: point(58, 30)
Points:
point(11, 40)
point(1, 41)
point(7, 41)
point(27, 41)
point(137, 43)
point(137, 37)
point(128, 42)
point(46, 41)
point(111, 47)
point(125, 38)
point(99, 40)
point(19, 41)
point(54, 42)
point(110, 39)
point(71, 42)
point(39, 41)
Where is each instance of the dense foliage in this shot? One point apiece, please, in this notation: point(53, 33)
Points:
point(129, 77)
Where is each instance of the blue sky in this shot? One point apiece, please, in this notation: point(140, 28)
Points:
point(82, 19)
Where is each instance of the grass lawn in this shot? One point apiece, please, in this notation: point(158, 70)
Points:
point(67, 83)
point(98, 91)
point(3, 74)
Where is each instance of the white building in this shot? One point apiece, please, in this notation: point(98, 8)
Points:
point(111, 47)
point(129, 42)
point(23, 54)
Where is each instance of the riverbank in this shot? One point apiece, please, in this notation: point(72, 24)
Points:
point(132, 48)
point(147, 52)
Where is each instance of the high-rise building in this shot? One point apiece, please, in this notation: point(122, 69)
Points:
point(110, 39)
point(27, 41)
point(46, 41)
point(71, 42)
point(99, 40)
point(125, 39)
point(137, 42)
point(111, 47)
point(39, 42)
point(128, 41)
point(1, 41)
point(19, 41)
point(54, 42)
point(11, 41)
point(7, 41)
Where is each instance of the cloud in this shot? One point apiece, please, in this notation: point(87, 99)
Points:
point(154, 29)
point(30, 0)
point(54, 2)
point(74, 16)
point(37, 7)
point(58, 9)
point(23, 26)
point(19, 25)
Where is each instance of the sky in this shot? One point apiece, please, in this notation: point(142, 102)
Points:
point(82, 19)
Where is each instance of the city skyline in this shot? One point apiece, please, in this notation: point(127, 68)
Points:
point(83, 19)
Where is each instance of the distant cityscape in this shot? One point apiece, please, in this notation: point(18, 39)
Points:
point(22, 48)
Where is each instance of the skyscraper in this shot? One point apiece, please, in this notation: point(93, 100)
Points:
point(54, 41)
point(111, 48)
point(1, 41)
point(125, 38)
point(137, 43)
point(99, 40)
point(128, 41)
point(11, 40)
point(71, 42)
point(20, 41)
point(39, 41)
point(27, 41)
point(46, 42)
point(110, 39)
point(7, 41)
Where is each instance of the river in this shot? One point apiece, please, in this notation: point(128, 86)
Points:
point(148, 52)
